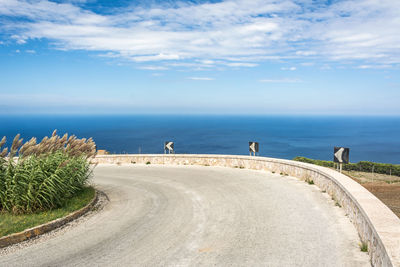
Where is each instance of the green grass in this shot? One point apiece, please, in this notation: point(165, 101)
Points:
point(364, 247)
point(362, 166)
point(309, 181)
point(10, 223)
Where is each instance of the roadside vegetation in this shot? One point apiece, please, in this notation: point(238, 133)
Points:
point(380, 179)
point(43, 176)
point(12, 223)
point(364, 247)
point(362, 166)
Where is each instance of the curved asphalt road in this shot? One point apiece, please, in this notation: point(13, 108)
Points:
point(208, 216)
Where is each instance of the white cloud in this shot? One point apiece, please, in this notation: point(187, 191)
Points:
point(56, 100)
point(373, 66)
point(233, 31)
point(153, 68)
point(306, 53)
point(325, 67)
point(241, 64)
point(289, 68)
point(30, 51)
point(158, 57)
point(201, 78)
point(285, 80)
point(207, 62)
point(19, 39)
point(192, 65)
point(364, 67)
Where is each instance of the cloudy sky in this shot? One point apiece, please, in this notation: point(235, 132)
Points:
point(203, 57)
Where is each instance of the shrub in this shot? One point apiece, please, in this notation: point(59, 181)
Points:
point(364, 166)
point(314, 161)
point(364, 247)
point(44, 175)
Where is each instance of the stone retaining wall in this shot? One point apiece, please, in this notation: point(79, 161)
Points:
point(376, 224)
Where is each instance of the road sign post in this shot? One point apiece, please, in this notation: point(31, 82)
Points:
point(341, 155)
point(168, 146)
point(253, 148)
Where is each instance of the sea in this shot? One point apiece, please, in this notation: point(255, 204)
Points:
point(372, 138)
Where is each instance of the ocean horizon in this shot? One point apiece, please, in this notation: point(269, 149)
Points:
point(370, 138)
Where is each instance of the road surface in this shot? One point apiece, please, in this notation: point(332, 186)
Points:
point(201, 216)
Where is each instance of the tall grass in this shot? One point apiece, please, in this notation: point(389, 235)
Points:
point(45, 174)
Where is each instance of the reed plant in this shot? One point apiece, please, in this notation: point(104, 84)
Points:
point(42, 176)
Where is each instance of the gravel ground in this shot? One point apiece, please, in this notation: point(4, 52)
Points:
point(199, 216)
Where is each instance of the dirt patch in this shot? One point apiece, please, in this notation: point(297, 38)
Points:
point(384, 187)
point(366, 177)
point(387, 193)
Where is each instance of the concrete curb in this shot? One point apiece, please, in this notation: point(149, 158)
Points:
point(47, 227)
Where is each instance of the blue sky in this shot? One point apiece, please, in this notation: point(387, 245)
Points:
point(200, 57)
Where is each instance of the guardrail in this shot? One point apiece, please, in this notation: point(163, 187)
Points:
point(376, 224)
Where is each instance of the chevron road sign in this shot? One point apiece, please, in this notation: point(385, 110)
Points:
point(253, 147)
point(169, 146)
point(341, 154)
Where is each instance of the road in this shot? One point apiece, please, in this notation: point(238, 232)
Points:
point(201, 216)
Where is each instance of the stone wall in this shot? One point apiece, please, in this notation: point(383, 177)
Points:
point(376, 224)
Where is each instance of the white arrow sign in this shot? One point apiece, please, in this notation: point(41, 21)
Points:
point(339, 154)
point(253, 147)
point(169, 146)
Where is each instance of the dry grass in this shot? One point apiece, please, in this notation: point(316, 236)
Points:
point(387, 193)
point(368, 177)
point(384, 187)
